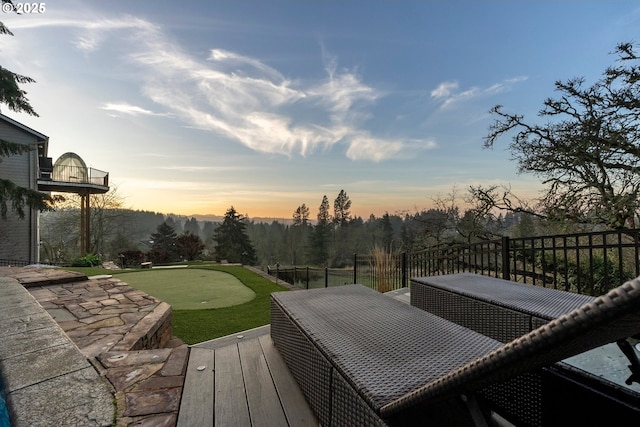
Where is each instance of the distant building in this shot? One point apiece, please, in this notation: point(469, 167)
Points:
point(20, 238)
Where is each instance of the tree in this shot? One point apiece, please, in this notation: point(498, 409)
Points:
point(15, 98)
point(189, 246)
point(192, 226)
point(163, 248)
point(319, 238)
point(588, 150)
point(232, 242)
point(109, 221)
point(324, 216)
point(301, 215)
point(299, 234)
point(341, 206)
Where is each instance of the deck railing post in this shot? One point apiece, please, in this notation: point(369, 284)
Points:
point(307, 277)
point(506, 264)
point(326, 277)
point(405, 272)
point(355, 268)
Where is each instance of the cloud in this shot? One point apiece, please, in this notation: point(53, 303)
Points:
point(444, 90)
point(365, 147)
point(92, 31)
point(236, 96)
point(132, 110)
point(449, 95)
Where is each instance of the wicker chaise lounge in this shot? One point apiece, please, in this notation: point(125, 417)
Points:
point(498, 308)
point(365, 359)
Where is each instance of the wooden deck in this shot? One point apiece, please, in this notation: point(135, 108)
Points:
point(241, 380)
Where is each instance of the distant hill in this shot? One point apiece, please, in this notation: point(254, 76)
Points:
point(255, 219)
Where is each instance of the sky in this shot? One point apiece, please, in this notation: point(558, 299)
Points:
point(196, 106)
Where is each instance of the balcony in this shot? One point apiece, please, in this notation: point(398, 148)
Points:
point(71, 178)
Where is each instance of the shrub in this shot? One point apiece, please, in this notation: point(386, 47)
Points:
point(89, 260)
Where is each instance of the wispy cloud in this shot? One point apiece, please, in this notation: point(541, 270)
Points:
point(449, 93)
point(131, 110)
point(366, 147)
point(237, 96)
point(444, 90)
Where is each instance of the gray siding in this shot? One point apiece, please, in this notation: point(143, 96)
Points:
point(19, 238)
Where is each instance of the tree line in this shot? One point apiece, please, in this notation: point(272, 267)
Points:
point(330, 238)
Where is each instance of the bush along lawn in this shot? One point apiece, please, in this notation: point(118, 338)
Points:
point(195, 326)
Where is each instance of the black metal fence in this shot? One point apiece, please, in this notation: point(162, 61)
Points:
point(312, 277)
point(588, 263)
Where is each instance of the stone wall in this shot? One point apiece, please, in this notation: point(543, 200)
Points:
point(47, 380)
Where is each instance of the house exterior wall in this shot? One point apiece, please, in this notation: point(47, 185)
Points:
point(19, 238)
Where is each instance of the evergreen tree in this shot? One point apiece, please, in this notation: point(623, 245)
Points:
point(319, 239)
point(387, 233)
point(342, 232)
point(299, 234)
point(192, 226)
point(301, 215)
point(174, 223)
point(15, 98)
point(341, 206)
point(163, 248)
point(232, 242)
point(207, 230)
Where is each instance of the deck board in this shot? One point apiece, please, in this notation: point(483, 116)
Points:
point(264, 405)
point(250, 385)
point(230, 399)
point(294, 404)
point(196, 408)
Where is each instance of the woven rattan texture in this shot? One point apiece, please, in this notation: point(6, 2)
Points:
point(519, 399)
point(310, 369)
point(545, 303)
point(605, 319)
point(536, 322)
point(348, 408)
point(494, 321)
point(382, 347)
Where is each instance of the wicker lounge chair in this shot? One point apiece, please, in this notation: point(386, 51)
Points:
point(365, 359)
point(498, 308)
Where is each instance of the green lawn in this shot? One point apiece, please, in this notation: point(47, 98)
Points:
point(195, 326)
point(191, 288)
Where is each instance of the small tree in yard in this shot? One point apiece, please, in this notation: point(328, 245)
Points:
point(189, 246)
point(232, 242)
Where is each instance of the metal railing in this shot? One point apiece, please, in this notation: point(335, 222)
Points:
point(587, 263)
point(312, 277)
point(81, 175)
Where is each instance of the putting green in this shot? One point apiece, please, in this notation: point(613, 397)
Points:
point(190, 289)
